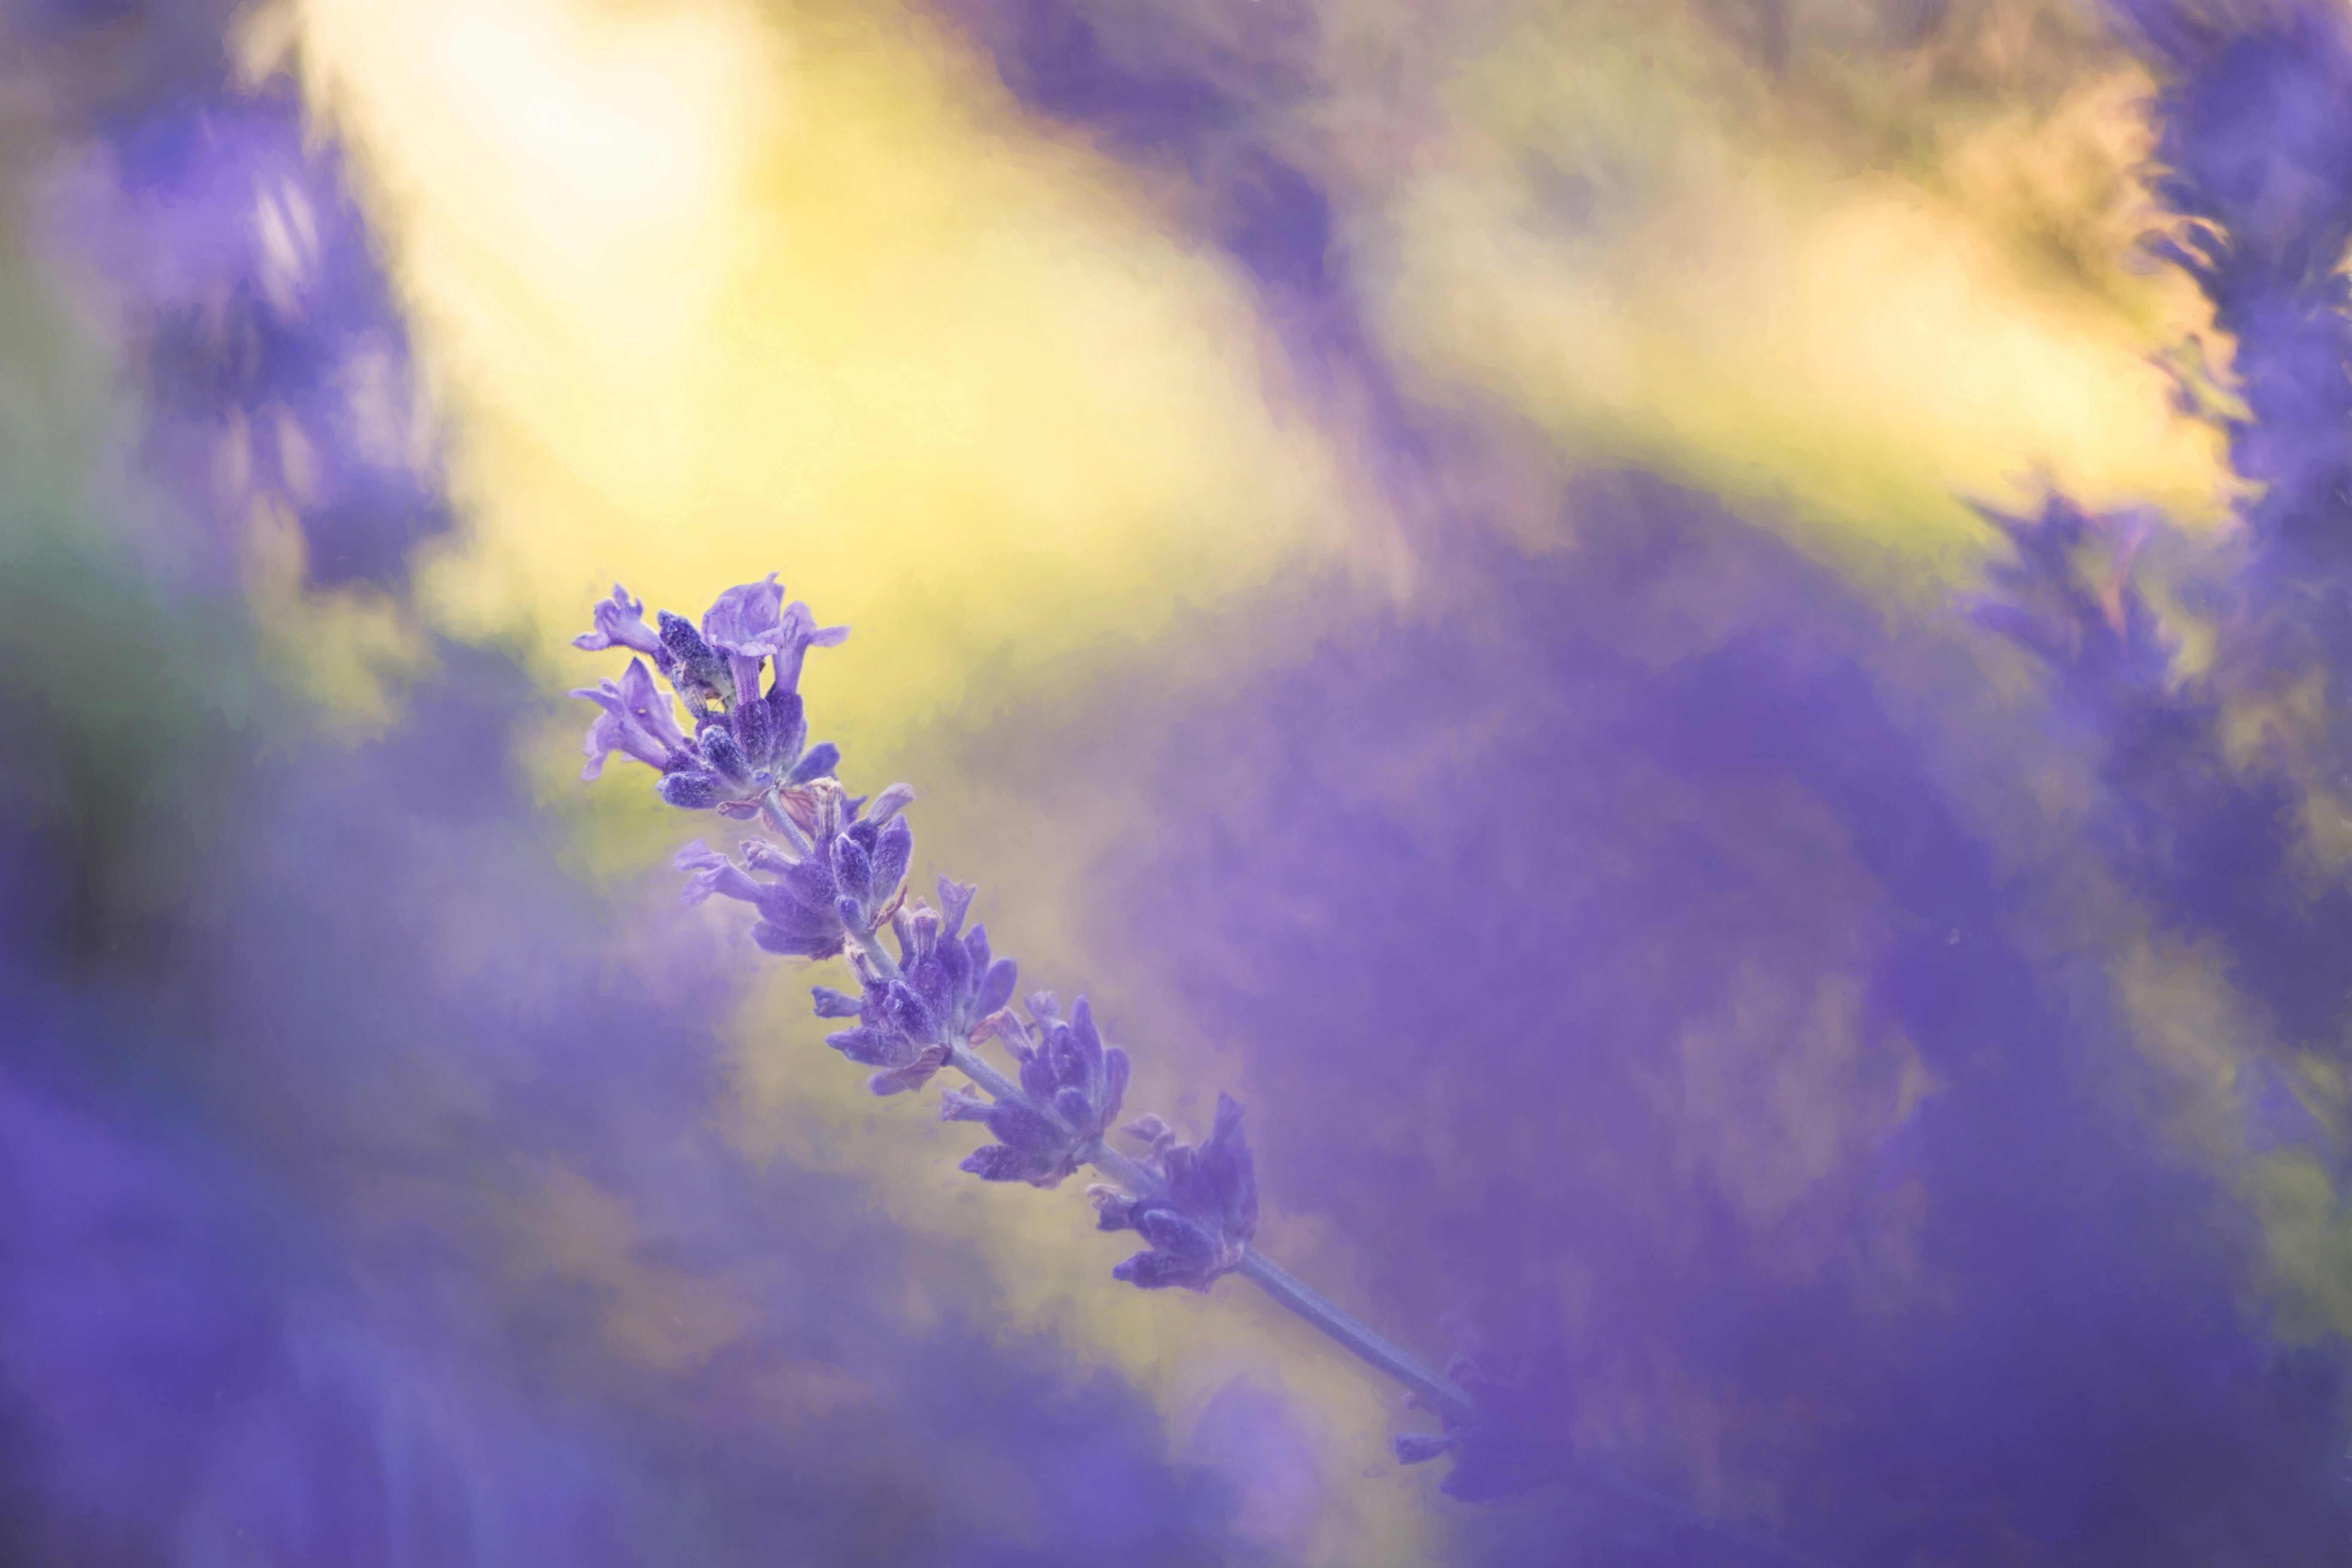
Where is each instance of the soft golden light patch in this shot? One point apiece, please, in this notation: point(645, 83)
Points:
point(1604, 248)
point(713, 295)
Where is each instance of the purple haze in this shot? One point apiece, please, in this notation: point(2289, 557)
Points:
point(1515, 909)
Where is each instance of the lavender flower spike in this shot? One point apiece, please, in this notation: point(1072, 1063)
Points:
point(831, 879)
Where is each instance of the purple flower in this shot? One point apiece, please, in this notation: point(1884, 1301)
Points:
point(946, 985)
point(1201, 1221)
point(845, 879)
point(621, 623)
point(636, 718)
point(751, 621)
point(749, 752)
point(953, 970)
point(894, 1034)
point(1073, 1086)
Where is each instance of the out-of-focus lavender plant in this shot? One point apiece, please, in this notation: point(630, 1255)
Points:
point(263, 330)
point(2254, 165)
point(828, 877)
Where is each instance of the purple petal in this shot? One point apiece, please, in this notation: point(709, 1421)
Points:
point(890, 803)
point(1114, 1071)
point(743, 619)
point(818, 763)
point(791, 941)
point(714, 873)
point(907, 1010)
point(853, 868)
point(868, 1046)
point(1149, 1127)
point(693, 792)
point(788, 724)
point(995, 1163)
point(1037, 1080)
point(996, 985)
point(1025, 1128)
point(725, 755)
point(649, 705)
point(892, 851)
point(831, 1003)
point(1173, 1233)
point(755, 732)
point(1155, 1271)
point(620, 623)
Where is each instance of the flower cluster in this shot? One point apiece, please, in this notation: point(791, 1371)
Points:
point(749, 749)
point(833, 882)
point(1071, 1084)
point(1201, 1217)
point(946, 985)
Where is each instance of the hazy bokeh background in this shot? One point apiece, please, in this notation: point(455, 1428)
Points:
point(1427, 554)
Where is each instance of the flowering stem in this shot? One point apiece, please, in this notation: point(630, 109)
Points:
point(1435, 1390)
